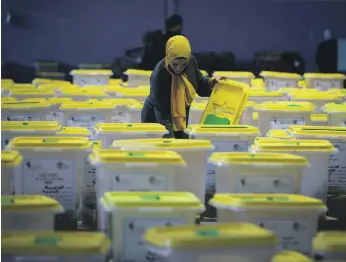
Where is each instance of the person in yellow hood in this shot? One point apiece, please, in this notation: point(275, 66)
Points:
point(174, 83)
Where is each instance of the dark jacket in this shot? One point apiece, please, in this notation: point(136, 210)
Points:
point(158, 104)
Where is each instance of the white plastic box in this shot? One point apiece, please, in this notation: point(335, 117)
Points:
point(29, 212)
point(111, 132)
point(246, 117)
point(258, 172)
point(54, 167)
point(221, 243)
point(280, 115)
point(319, 99)
point(54, 246)
point(324, 82)
point(244, 77)
point(84, 77)
point(293, 218)
point(260, 96)
point(10, 129)
point(330, 246)
point(276, 80)
point(132, 93)
point(336, 114)
point(196, 112)
point(224, 139)
point(317, 152)
point(134, 113)
point(138, 77)
point(11, 172)
point(194, 152)
point(132, 213)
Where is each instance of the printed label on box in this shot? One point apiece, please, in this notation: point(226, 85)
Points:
point(283, 122)
point(55, 116)
point(337, 167)
point(52, 178)
point(89, 184)
point(23, 117)
point(264, 184)
point(139, 182)
point(86, 121)
point(121, 117)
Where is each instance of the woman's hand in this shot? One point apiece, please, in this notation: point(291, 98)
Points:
point(215, 80)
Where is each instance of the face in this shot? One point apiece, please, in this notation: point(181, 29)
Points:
point(178, 65)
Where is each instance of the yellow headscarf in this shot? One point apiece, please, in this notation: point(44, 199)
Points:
point(182, 91)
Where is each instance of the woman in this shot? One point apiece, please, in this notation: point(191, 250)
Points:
point(174, 83)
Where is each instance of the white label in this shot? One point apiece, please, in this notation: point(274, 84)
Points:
point(337, 166)
point(23, 117)
point(86, 121)
point(264, 184)
point(52, 178)
point(55, 116)
point(283, 122)
point(89, 184)
point(223, 146)
point(139, 182)
point(134, 245)
point(121, 117)
point(293, 235)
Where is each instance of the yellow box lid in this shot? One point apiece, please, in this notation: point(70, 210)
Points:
point(86, 106)
point(280, 75)
point(259, 139)
point(133, 92)
point(51, 100)
point(335, 108)
point(277, 133)
point(290, 256)
point(247, 158)
point(164, 144)
point(294, 146)
point(152, 199)
point(48, 142)
point(257, 81)
point(22, 203)
point(221, 129)
point(289, 90)
point(266, 201)
point(228, 235)
point(30, 125)
point(115, 81)
point(10, 158)
point(8, 99)
point(250, 103)
point(73, 130)
point(285, 106)
point(198, 106)
point(27, 86)
point(136, 156)
point(319, 117)
point(314, 96)
point(91, 72)
point(6, 81)
point(324, 76)
point(265, 93)
point(318, 131)
point(330, 241)
point(138, 72)
point(25, 105)
point(42, 243)
point(38, 80)
point(130, 127)
point(90, 93)
point(204, 73)
point(135, 106)
point(117, 101)
point(235, 74)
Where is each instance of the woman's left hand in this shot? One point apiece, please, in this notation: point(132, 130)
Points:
point(215, 80)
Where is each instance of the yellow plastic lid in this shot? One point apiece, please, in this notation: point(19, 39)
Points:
point(54, 142)
point(130, 127)
point(164, 144)
point(29, 203)
point(51, 100)
point(335, 108)
point(228, 235)
point(235, 74)
point(32, 92)
point(280, 75)
point(91, 72)
point(27, 86)
point(86, 93)
point(258, 81)
point(24, 105)
point(117, 101)
point(30, 125)
point(10, 158)
point(221, 129)
point(266, 201)
point(247, 158)
point(8, 99)
point(330, 241)
point(294, 146)
point(67, 130)
point(198, 106)
point(319, 117)
point(324, 76)
point(7, 81)
point(259, 139)
point(318, 131)
point(278, 133)
point(314, 96)
point(131, 92)
point(255, 116)
point(136, 156)
point(135, 106)
point(285, 106)
point(289, 90)
point(264, 93)
point(138, 72)
point(41, 243)
point(86, 106)
point(250, 103)
point(115, 81)
point(290, 256)
point(204, 73)
point(152, 199)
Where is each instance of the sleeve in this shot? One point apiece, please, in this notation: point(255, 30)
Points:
point(160, 94)
point(203, 88)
